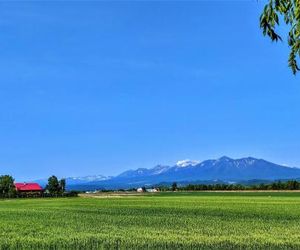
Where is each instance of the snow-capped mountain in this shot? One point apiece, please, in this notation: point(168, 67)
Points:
point(222, 169)
point(140, 172)
point(86, 179)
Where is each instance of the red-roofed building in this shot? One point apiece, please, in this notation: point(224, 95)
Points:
point(28, 187)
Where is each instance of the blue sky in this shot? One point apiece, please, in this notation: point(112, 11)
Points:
point(98, 87)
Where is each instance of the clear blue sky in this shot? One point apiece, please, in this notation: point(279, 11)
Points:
point(98, 87)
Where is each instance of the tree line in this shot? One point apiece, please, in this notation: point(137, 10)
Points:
point(278, 185)
point(54, 188)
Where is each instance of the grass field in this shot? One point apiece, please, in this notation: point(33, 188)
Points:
point(160, 221)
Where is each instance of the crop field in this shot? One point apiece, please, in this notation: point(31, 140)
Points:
point(158, 221)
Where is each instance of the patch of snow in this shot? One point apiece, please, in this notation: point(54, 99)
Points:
point(90, 178)
point(160, 169)
point(186, 163)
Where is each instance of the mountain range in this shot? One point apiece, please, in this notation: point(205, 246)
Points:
point(222, 170)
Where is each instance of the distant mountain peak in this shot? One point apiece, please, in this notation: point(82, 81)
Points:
point(186, 163)
point(225, 158)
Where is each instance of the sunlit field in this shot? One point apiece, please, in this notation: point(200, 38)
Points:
point(158, 221)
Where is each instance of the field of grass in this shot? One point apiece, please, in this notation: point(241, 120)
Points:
point(160, 221)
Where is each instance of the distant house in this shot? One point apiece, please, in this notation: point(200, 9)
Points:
point(140, 190)
point(28, 188)
point(152, 190)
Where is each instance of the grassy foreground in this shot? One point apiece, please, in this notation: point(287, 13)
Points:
point(160, 221)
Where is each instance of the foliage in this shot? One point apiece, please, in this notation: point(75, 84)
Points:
point(181, 220)
point(55, 186)
point(72, 193)
point(174, 186)
point(7, 187)
point(62, 185)
point(270, 19)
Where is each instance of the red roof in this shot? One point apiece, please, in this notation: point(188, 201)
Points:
point(28, 187)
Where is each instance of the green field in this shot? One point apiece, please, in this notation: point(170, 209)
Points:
point(167, 220)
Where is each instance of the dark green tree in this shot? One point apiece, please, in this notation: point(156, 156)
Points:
point(174, 186)
point(62, 185)
point(289, 10)
point(7, 187)
point(53, 185)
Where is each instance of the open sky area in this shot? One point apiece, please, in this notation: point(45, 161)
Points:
point(99, 87)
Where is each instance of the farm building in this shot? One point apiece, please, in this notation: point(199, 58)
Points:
point(152, 190)
point(31, 189)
